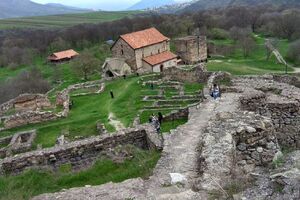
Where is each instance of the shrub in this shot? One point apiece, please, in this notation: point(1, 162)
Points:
point(218, 34)
point(294, 52)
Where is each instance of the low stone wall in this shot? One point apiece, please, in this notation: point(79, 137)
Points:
point(6, 107)
point(29, 117)
point(253, 100)
point(25, 102)
point(288, 79)
point(178, 114)
point(256, 144)
point(196, 74)
point(286, 119)
point(22, 142)
point(81, 154)
point(5, 142)
point(63, 97)
point(283, 110)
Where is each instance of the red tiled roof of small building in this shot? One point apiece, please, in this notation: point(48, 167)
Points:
point(63, 54)
point(144, 38)
point(160, 58)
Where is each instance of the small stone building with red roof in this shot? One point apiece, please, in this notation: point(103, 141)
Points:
point(145, 51)
point(63, 56)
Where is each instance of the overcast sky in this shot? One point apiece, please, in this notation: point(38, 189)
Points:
point(96, 4)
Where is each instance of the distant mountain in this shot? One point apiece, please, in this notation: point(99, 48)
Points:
point(24, 8)
point(173, 8)
point(209, 4)
point(150, 4)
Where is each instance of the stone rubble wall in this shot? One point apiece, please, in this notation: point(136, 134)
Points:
point(82, 153)
point(196, 74)
point(29, 117)
point(63, 97)
point(286, 119)
point(25, 102)
point(235, 142)
point(4, 141)
point(6, 107)
point(22, 141)
point(29, 105)
point(253, 100)
point(279, 101)
point(288, 79)
point(179, 114)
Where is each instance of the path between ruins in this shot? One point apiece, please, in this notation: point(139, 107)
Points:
point(296, 69)
point(180, 155)
point(114, 122)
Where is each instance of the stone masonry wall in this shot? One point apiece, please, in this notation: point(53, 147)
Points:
point(191, 49)
point(179, 114)
point(197, 74)
point(276, 100)
point(122, 50)
point(83, 153)
point(25, 102)
point(29, 117)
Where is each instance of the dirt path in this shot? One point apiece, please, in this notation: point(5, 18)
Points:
point(114, 122)
point(297, 69)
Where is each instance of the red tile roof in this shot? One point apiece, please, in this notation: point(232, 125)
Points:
point(160, 58)
point(144, 38)
point(63, 54)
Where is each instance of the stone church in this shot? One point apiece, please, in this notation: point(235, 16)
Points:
point(145, 51)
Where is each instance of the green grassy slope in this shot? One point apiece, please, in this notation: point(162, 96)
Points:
point(90, 109)
point(58, 21)
point(32, 183)
point(256, 63)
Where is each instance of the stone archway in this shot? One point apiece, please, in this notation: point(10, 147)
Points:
point(108, 73)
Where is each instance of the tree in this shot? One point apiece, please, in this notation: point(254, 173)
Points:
point(294, 52)
point(26, 82)
point(247, 44)
point(85, 64)
point(59, 45)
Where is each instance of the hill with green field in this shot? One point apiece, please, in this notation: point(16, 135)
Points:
point(66, 20)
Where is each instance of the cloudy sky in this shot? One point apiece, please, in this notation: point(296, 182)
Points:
point(96, 4)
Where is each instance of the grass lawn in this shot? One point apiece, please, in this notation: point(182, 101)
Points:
point(59, 21)
point(90, 109)
point(87, 110)
point(255, 63)
point(32, 183)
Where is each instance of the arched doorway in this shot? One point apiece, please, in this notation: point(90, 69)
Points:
point(161, 68)
point(109, 74)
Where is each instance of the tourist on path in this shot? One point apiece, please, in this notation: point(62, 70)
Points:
point(155, 123)
point(215, 92)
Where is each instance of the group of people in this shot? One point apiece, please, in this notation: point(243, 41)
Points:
point(156, 121)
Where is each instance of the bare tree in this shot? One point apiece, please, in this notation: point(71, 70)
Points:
point(247, 44)
point(85, 64)
point(26, 82)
